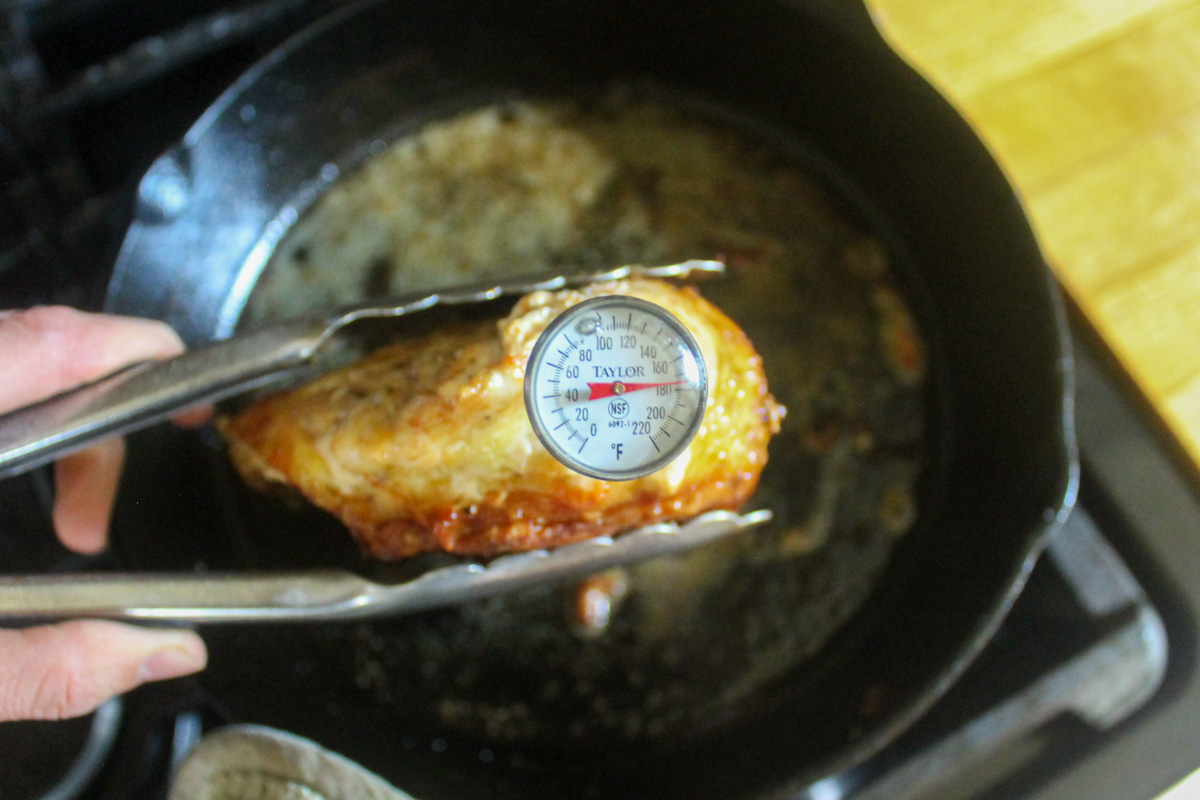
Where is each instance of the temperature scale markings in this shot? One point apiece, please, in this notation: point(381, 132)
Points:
point(555, 413)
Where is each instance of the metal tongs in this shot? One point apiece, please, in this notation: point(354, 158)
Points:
point(315, 595)
point(148, 392)
point(151, 391)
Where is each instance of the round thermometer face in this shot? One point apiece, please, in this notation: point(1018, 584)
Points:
point(616, 387)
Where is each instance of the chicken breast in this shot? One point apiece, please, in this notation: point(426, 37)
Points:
point(426, 445)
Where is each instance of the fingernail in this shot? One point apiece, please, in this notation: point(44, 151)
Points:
point(172, 662)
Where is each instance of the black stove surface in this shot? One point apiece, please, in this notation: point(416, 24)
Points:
point(1088, 690)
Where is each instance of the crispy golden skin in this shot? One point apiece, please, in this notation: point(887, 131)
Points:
point(426, 445)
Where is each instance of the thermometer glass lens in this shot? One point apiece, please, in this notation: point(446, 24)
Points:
point(616, 387)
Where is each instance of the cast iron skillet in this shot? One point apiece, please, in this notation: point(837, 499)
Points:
point(1003, 479)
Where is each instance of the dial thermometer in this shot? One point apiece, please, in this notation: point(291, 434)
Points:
point(616, 387)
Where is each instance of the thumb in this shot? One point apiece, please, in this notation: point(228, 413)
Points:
point(67, 670)
point(54, 348)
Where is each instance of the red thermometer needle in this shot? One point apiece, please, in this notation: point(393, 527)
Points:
point(600, 390)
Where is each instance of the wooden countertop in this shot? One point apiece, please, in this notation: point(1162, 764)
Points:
point(1092, 107)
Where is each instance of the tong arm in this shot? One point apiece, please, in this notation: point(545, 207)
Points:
point(148, 392)
point(337, 594)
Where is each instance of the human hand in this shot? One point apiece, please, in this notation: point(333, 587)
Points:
point(66, 670)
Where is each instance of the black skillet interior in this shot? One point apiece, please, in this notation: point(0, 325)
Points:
point(896, 151)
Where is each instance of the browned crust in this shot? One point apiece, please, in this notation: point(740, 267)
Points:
point(534, 520)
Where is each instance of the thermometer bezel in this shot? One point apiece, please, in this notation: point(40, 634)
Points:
point(534, 365)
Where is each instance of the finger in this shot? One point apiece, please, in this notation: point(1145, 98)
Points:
point(86, 484)
point(67, 670)
point(194, 417)
point(54, 348)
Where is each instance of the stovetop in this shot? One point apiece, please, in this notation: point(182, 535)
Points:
point(1088, 690)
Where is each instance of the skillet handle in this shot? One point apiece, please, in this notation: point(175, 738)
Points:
point(140, 395)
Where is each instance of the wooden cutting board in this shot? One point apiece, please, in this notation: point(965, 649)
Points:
point(1092, 107)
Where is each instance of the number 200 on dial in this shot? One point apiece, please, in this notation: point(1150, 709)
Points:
point(616, 387)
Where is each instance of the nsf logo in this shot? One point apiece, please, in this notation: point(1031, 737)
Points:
point(618, 408)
